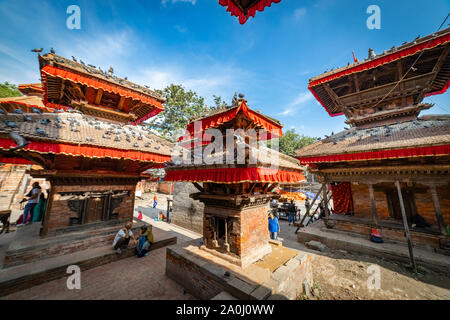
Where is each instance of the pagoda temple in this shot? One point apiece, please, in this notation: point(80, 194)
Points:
point(80, 126)
point(235, 177)
point(391, 166)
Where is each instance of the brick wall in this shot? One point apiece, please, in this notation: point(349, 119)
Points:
point(425, 207)
point(361, 202)
point(254, 229)
point(423, 201)
point(186, 212)
point(58, 212)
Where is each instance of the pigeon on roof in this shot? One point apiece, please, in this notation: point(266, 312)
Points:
point(10, 124)
point(18, 111)
point(37, 50)
point(35, 110)
point(41, 132)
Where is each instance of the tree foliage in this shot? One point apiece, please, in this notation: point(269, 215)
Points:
point(9, 90)
point(291, 141)
point(181, 105)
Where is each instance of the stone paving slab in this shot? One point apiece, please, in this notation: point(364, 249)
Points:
point(395, 251)
point(130, 279)
point(31, 274)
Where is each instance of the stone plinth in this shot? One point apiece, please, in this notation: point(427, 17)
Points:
point(238, 234)
point(278, 275)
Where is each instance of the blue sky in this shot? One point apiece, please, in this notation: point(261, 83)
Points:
point(196, 43)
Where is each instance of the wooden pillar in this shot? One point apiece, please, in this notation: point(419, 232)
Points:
point(405, 224)
point(325, 201)
point(437, 208)
point(373, 205)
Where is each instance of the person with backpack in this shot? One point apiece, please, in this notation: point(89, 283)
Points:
point(32, 201)
point(291, 212)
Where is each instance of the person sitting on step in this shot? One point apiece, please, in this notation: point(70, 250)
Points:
point(145, 241)
point(123, 237)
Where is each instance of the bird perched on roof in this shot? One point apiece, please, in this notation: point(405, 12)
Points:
point(136, 145)
point(89, 139)
point(74, 59)
point(2, 112)
point(117, 138)
point(35, 110)
point(27, 118)
point(110, 71)
point(41, 132)
point(45, 121)
point(58, 125)
point(10, 124)
point(37, 50)
point(19, 140)
point(52, 51)
point(82, 62)
point(147, 145)
point(105, 136)
point(18, 111)
point(74, 129)
point(139, 137)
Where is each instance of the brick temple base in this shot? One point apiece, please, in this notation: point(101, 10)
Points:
point(245, 237)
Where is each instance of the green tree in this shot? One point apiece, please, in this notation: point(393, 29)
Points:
point(180, 107)
point(291, 141)
point(219, 103)
point(9, 90)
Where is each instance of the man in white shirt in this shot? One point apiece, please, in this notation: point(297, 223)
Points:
point(123, 238)
point(33, 199)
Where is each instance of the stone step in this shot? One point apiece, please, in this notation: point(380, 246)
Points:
point(28, 275)
point(34, 249)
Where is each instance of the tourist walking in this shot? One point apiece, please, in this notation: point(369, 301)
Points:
point(123, 237)
point(154, 201)
point(33, 199)
point(274, 227)
point(307, 205)
point(291, 212)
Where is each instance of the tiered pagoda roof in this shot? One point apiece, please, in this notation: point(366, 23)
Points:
point(81, 118)
point(426, 136)
point(69, 83)
point(244, 9)
point(371, 90)
point(382, 100)
point(270, 167)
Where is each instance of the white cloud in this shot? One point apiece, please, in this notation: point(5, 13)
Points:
point(299, 13)
point(164, 2)
point(302, 98)
point(299, 100)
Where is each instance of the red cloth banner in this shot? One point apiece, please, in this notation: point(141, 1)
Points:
point(385, 154)
point(234, 10)
point(342, 198)
point(87, 151)
point(234, 175)
point(14, 160)
point(218, 119)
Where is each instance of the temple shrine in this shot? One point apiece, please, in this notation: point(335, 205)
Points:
point(80, 130)
point(390, 168)
point(235, 195)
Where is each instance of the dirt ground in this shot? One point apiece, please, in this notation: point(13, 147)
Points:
point(342, 275)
